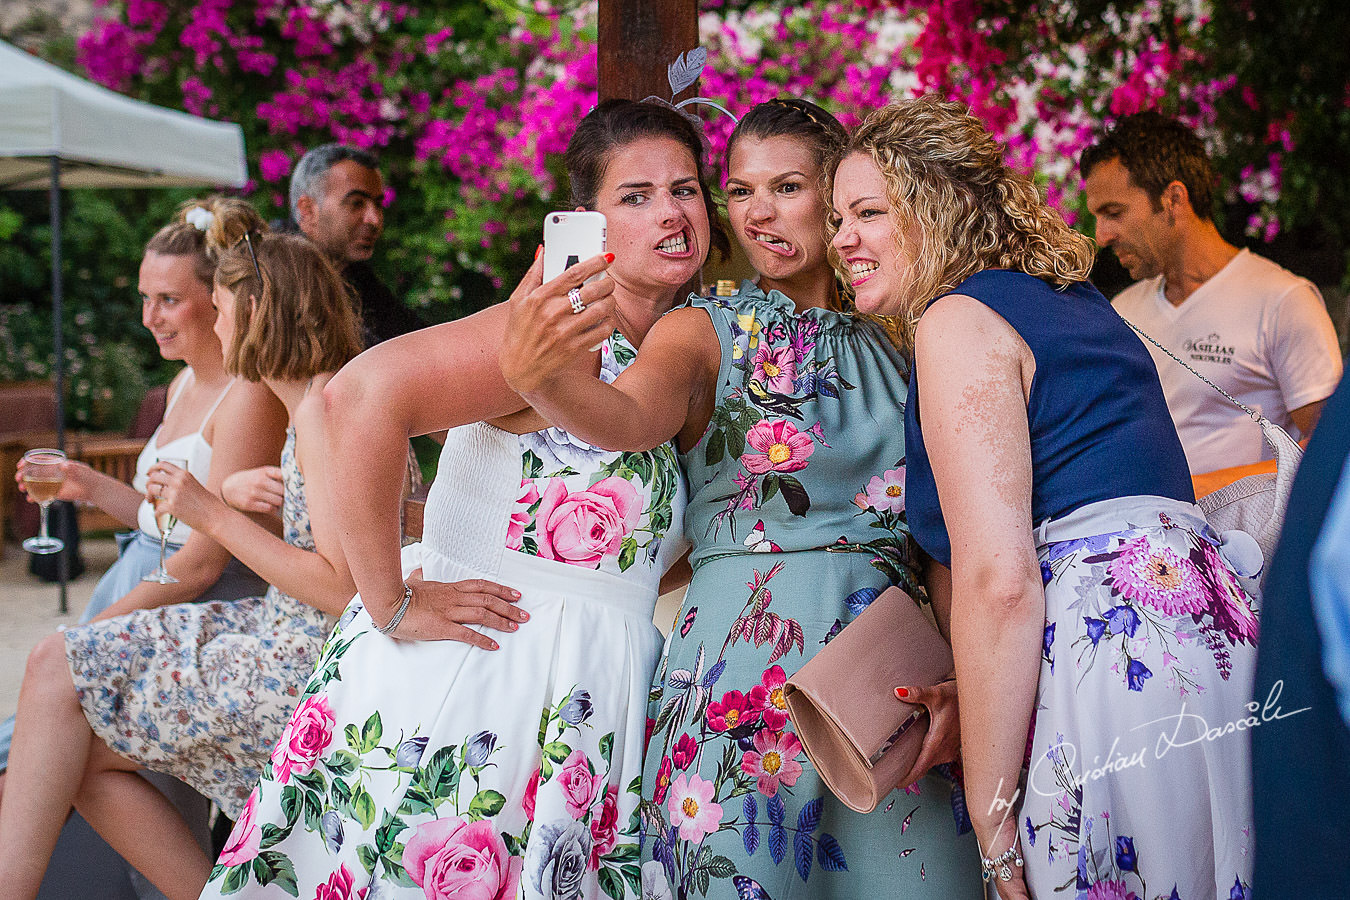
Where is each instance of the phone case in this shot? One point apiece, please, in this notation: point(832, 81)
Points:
point(569, 238)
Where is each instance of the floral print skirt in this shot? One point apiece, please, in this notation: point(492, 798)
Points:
point(732, 807)
point(1138, 784)
point(199, 691)
point(436, 770)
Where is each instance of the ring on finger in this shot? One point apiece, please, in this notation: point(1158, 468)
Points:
point(574, 298)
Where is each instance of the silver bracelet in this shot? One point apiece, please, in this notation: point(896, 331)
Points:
point(398, 616)
point(999, 865)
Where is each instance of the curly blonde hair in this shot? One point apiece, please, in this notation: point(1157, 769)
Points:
point(947, 180)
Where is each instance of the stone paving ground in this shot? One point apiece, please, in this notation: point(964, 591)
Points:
point(28, 608)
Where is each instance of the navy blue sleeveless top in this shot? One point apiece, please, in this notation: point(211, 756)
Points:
point(1099, 424)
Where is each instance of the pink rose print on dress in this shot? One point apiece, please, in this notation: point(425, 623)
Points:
point(775, 369)
point(337, 887)
point(451, 858)
point(584, 527)
point(578, 784)
point(605, 827)
point(782, 448)
point(306, 737)
point(691, 807)
point(767, 697)
point(1157, 577)
point(531, 791)
point(885, 492)
point(246, 839)
point(520, 514)
point(734, 710)
point(773, 761)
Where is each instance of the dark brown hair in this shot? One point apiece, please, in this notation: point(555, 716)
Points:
point(792, 117)
point(225, 220)
point(1157, 151)
point(300, 322)
point(616, 123)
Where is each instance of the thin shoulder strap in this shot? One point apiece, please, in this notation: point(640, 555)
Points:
point(1255, 416)
point(212, 411)
point(183, 386)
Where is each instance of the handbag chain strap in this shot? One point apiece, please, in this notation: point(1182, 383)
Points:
point(1255, 416)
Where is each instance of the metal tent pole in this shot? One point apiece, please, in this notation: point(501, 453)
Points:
point(58, 367)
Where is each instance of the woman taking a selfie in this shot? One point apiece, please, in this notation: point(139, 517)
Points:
point(786, 412)
point(428, 758)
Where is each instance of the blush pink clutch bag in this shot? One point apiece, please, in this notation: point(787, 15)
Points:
point(842, 702)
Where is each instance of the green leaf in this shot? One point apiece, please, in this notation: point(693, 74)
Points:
point(363, 807)
point(281, 871)
point(273, 835)
point(716, 448)
point(633, 875)
point(386, 835)
point(634, 786)
point(342, 796)
point(486, 803)
point(557, 751)
point(627, 553)
point(368, 857)
point(623, 853)
point(611, 884)
point(371, 732)
point(342, 762)
point(736, 442)
point(797, 501)
point(720, 867)
point(235, 879)
point(291, 804)
point(607, 746)
point(416, 801)
point(768, 487)
point(353, 736)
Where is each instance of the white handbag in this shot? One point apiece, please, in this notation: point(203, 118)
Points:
point(1254, 504)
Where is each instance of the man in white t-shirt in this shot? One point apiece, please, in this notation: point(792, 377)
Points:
point(1253, 328)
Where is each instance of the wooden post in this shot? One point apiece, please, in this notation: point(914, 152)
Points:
point(638, 39)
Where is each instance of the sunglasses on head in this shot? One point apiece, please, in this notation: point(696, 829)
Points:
point(253, 254)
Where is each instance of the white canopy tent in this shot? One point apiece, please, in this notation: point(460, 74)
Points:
point(58, 130)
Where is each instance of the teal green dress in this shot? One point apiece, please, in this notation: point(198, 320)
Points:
point(797, 518)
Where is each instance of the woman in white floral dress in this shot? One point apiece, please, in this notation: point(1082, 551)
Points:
point(417, 766)
point(198, 691)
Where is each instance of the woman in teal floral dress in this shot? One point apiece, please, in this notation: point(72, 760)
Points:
point(789, 421)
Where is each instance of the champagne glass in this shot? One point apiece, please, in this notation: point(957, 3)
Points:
point(164, 521)
point(42, 477)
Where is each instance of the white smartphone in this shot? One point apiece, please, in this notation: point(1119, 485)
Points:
point(570, 238)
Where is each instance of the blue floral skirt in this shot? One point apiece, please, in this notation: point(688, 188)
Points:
point(1138, 781)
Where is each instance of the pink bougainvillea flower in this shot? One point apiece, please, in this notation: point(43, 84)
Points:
point(1158, 577)
point(782, 448)
point(767, 698)
point(691, 807)
point(775, 369)
point(773, 761)
point(734, 709)
point(886, 492)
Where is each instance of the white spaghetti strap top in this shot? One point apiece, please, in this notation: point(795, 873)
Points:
point(191, 447)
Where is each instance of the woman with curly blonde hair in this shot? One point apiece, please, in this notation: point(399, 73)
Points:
point(1096, 615)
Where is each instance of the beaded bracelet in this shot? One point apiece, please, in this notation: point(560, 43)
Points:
point(398, 616)
point(999, 864)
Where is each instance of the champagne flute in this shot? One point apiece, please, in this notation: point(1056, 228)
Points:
point(42, 478)
point(164, 521)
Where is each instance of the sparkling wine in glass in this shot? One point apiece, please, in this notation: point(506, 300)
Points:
point(42, 477)
point(164, 521)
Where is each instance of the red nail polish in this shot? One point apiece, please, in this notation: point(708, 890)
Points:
point(538, 250)
point(901, 693)
point(609, 257)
